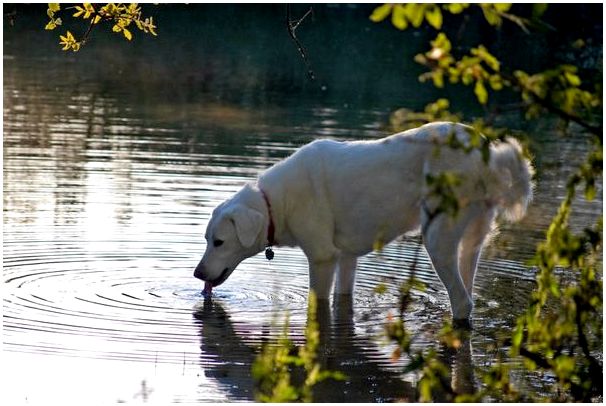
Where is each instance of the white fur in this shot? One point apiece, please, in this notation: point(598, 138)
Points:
point(336, 200)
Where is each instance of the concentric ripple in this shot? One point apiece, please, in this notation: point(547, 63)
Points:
point(105, 204)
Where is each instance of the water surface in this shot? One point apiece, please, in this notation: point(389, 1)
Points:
point(108, 187)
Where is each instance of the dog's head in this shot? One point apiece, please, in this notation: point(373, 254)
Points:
point(234, 233)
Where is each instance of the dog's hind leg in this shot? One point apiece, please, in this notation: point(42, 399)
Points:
point(442, 235)
point(346, 275)
point(471, 245)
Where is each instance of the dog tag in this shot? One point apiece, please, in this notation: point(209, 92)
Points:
point(269, 253)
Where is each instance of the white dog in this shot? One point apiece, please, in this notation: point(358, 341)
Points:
point(336, 200)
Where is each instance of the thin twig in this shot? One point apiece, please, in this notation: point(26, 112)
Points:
point(291, 26)
point(88, 31)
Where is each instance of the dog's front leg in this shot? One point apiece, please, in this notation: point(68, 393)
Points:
point(321, 277)
point(346, 275)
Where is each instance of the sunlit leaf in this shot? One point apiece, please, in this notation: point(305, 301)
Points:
point(573, 79)
point(415, 13)
point(502, 7)
point(481, 92)
point(491, 15)
point(398, 17)
point(54, 7)
point(380, 13)
point(434, 17)
point(127, 34)
point(438, 79)
point(456, 8)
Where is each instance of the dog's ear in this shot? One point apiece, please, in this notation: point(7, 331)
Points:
point(248, 222)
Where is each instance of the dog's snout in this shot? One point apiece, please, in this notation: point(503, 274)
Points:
point(199, 271)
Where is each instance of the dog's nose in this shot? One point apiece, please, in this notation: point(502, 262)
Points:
point(199, 271)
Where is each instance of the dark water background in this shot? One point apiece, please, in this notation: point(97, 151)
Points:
point(114, 158)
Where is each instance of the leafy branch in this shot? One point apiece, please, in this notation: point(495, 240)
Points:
point(272, 367)
point(561, 329)
point(119, 15)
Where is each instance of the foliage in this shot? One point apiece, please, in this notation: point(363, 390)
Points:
point(561, 330)
point(119, 15)
point(272, 369)
point(433, 373)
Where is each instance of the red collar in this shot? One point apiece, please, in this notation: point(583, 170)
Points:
point(271, 229)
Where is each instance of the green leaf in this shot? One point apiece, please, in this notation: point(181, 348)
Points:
point(434, 17)
point(590, 191)
point(538, 9)
point(456, 8)
point(438, 79)
point(380, 289)
point(502, 7)
point(573, 79)
point(380, 13)
point(518, 334)
point(398, 17)
point(491, 15)
point(481, 92)
point(415, 13)
point(487, 57)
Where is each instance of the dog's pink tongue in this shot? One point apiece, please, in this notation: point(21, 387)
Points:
point(208, 289)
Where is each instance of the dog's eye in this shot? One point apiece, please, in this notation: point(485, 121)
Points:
point(218, 243)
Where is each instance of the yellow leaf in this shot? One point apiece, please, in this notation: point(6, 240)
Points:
point(79, 11)
point(89, 10)
point(65, 42)
point(502, 7)
point(398, 17)
point(380, 13)
point(481, 92)
point(127, 34)
point(433, 15)
point(51, 25)
point(54, 7)
point(152, 27)
point(116, 28)
point(97, 19)
point(415, 13)
point(456, 8)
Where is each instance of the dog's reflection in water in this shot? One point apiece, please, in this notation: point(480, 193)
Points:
point(228, 351)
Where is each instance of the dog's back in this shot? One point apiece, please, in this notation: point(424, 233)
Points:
point(504, 181)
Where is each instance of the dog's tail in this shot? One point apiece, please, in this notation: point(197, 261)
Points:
point(515, 172)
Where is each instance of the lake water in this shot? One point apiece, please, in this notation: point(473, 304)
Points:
point(113, 162)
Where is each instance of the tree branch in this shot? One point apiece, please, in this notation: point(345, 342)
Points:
point(291, 26)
